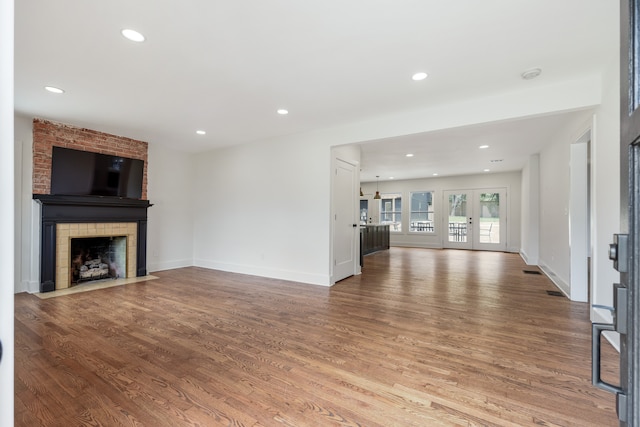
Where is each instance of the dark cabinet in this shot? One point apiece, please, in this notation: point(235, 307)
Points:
point(373, 238)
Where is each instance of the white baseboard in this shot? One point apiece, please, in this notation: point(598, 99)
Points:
point(169, 265)
point(528, 259)
point(415, 245)
point(560, 284)
point(29, 286)
point(293, 276)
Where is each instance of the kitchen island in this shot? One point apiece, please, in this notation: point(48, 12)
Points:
point(373, 238)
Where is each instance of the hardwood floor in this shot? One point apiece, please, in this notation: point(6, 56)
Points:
point(421, 338)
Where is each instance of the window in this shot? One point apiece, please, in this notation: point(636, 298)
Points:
point(421, 218)
point(391, 211)
point(364, 211)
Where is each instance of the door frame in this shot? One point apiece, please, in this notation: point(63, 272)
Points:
point(625, 251)
point(579, 218)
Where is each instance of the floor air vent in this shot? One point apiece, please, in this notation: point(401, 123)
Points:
point(531, 272)
point(555, 293)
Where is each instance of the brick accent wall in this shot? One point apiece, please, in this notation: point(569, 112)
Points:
point(47, 134)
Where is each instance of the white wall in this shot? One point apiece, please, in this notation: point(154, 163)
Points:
point(529, 243)
point(605, 212)
point(264, 209)
point(510, 181)
point(605, 198)
point(171, 190)
point(28, 236)
point(555, 160)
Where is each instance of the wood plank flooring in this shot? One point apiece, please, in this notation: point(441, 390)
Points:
point(421, 338)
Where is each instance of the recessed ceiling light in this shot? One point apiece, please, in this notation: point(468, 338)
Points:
point(482, 147)
point(133, 35)
point(419, 76)
point(201, 132)
point(283, 112)
point(53, 89)
point(531, 74)
point(390, 177)
point(435, 174)
point(409, 155)
point(487, 170)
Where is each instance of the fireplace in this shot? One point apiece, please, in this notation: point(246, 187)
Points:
point(96, 247)
point(84, 188)
point(97, 258)
point(65, 219)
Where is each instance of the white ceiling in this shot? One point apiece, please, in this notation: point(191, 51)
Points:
point(456, 151)
point(227, 66)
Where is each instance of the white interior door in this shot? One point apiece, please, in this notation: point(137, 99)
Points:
point(475, 219)
point(345, 218)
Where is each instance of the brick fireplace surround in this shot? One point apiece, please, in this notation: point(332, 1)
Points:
point(104, 215)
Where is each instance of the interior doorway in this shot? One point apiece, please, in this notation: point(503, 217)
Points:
point(580, 218)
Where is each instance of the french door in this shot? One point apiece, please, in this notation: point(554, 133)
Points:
point(625, 250)
point(475, 219)
point(627, 296)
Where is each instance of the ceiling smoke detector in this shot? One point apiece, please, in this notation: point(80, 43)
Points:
point(531, 74)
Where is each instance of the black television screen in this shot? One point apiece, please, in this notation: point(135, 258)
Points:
point(84, 173)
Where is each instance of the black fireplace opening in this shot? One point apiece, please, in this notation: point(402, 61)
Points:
point(98, 258)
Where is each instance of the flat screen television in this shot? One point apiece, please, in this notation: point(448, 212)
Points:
point(84, 173)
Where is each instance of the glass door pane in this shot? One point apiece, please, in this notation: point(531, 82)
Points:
point(364, 211)
point(457, 206)
point(489, 217)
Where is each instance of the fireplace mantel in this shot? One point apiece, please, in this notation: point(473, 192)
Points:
point(87, 209)
point(101, 201)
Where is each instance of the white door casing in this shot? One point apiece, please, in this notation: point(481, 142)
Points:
point(579, 222)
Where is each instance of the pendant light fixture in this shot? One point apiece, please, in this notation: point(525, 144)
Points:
point(377, 196)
